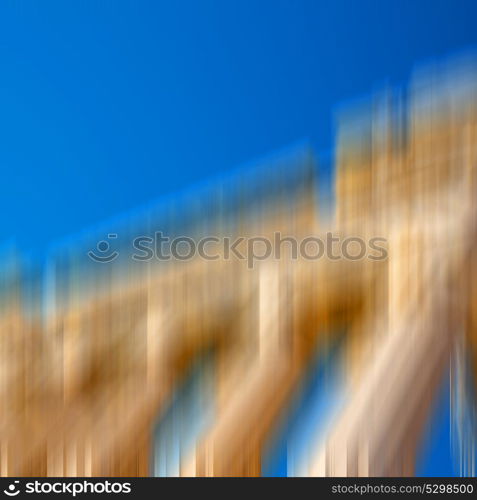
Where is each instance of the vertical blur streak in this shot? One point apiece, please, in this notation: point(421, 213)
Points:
point(208, 367)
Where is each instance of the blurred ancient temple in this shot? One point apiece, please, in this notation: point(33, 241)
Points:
point(192, 367)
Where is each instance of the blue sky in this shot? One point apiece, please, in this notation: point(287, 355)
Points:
point(107, 105)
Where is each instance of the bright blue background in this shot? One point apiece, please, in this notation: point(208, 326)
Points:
point(107, 105)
